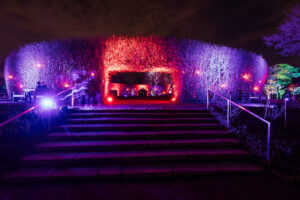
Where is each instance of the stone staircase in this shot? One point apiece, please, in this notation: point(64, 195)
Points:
point(121, 144)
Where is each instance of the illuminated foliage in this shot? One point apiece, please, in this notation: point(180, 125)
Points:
point(287, 40)
point(280, 78)
point(221, 68)
point(194, 65)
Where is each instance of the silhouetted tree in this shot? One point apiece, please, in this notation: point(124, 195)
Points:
point(287, 40)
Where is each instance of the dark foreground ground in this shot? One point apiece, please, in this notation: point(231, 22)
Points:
point(223, 187)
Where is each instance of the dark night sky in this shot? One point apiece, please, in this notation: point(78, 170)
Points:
point(238, 23)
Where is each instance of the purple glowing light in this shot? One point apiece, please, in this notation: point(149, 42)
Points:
point(48, 103)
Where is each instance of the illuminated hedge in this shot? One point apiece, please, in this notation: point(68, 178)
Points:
point(194, 65)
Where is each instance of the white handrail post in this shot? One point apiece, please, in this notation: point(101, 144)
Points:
point(72, 99)
point(230, 107)
point(228, 112)
point(207, 99)
point(268, 142)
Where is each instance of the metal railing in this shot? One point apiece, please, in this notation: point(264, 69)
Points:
point(35, 106)
point(229, 102)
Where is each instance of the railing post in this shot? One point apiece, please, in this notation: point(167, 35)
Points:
point(228, 112)
point(207, 99)
point(72, 99)
point(268, 142)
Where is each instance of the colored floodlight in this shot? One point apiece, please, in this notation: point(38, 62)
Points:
point(66, 85)
point(110, 99)
point(48, 103)
point(246, 77)
point(256, 89)
point(223, 86)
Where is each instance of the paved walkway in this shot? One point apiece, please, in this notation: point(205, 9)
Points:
point(223, 187)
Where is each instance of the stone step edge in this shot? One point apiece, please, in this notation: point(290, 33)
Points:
point(135, 156)
point(126, 172)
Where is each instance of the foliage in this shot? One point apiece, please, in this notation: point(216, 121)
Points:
point(287, 40)
point(280, 78)
point(194, 65)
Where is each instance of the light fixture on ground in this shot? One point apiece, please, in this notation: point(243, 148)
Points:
point(48, 103)
point(110, 99)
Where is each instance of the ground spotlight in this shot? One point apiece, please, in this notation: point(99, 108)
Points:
point(110, 99)
point(256, 89)
point(48, 103)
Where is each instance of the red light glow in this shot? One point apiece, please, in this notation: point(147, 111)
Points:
point(223, 86)
point(256, 89)
point(10, 76)
point(92, 74)
point(123, 54)
point(173, 99)
point(198, 72)
point(110, 99)
point(66, 85)
point(246, 77)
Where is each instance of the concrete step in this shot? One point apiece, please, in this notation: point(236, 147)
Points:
point(140, 120)
point(131, 171)
point(137, 111)
point(120, 135)
point(102, 145)
point(139, 127)
point(121, 157)
point(139, 115)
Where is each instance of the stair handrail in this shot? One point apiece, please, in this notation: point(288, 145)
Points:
point(35, 106)
point(73, 90)
point(229, 102)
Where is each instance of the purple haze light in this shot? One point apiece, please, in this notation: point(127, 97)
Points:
point(48, 103)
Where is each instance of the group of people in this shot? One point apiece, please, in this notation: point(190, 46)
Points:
point(40, 90)
point(87, 92)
